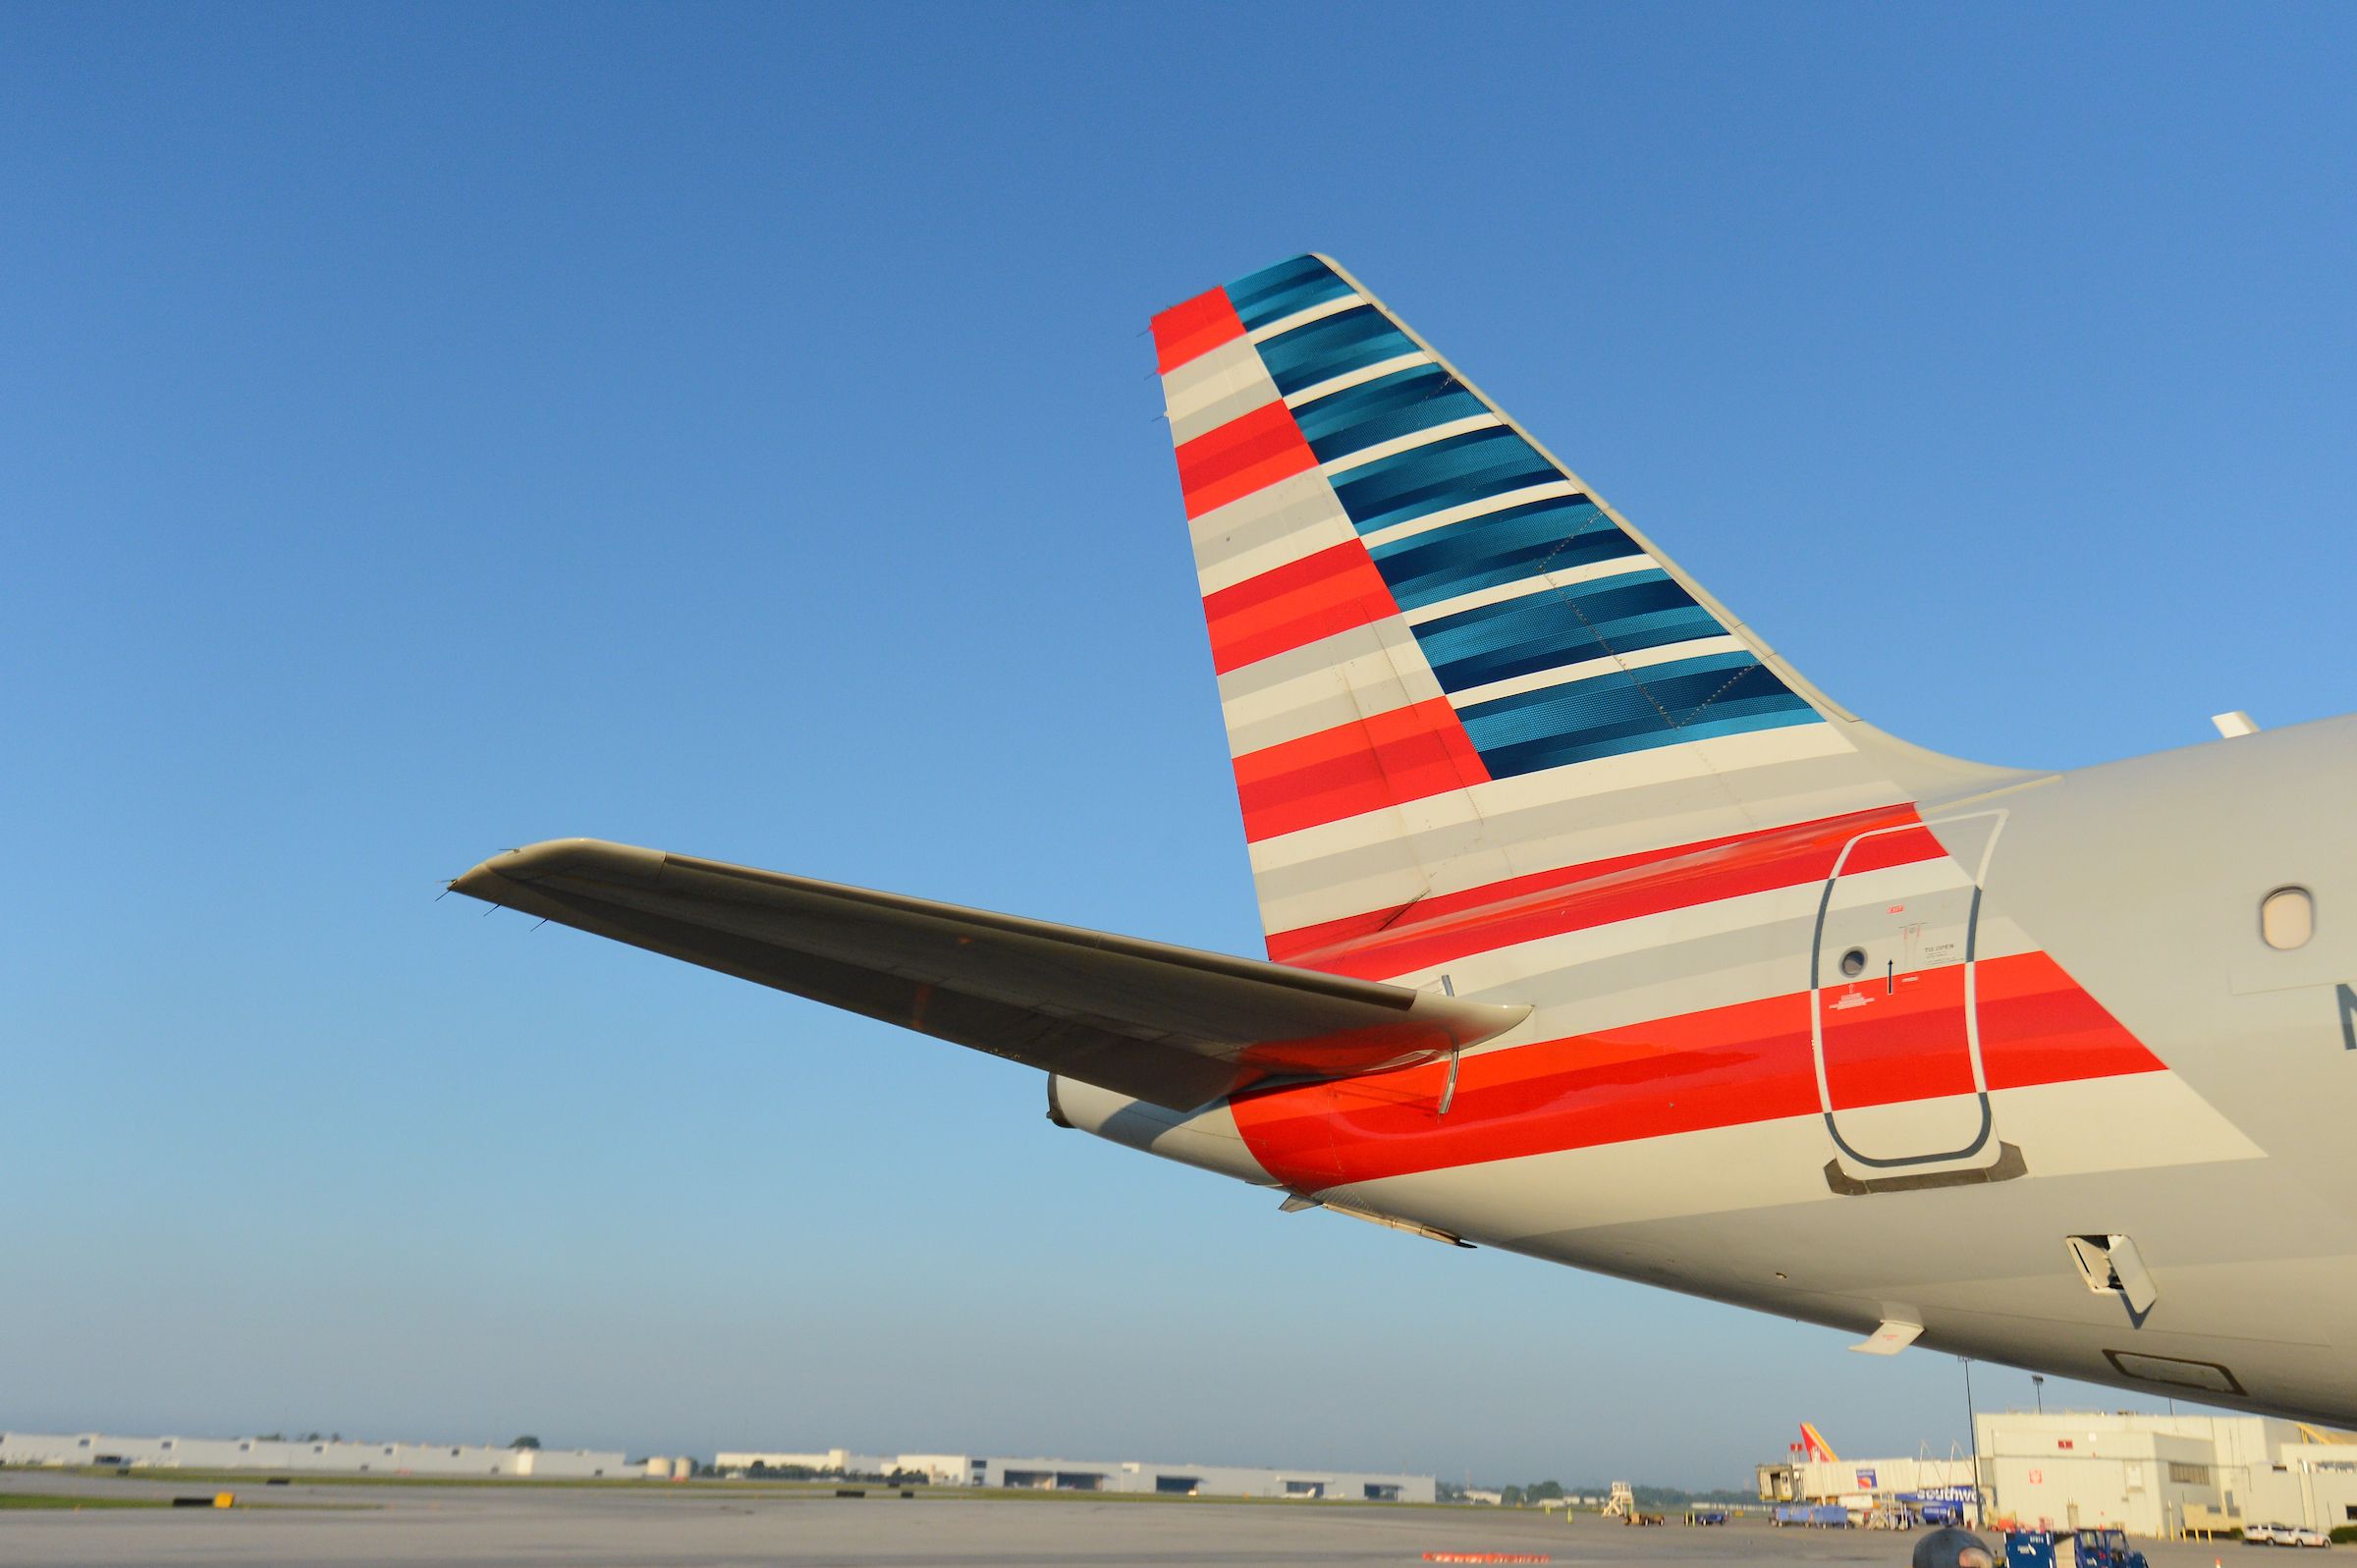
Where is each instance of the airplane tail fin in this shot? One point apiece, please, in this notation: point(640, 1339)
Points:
point(1815, 1446)
point(1449, 672)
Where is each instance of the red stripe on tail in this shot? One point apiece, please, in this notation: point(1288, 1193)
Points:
point(1394, 757)
point(1240, 457)
point(1725, 1067)
point(1200, 325)
point(2038, 1025)
point(1749, 1062)
point(1296, 604)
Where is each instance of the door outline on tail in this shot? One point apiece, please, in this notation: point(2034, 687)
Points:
point(1979, 875)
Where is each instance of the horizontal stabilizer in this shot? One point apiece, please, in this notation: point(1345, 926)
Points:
point(1171, 1025)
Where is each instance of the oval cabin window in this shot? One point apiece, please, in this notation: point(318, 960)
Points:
point(2287, 918)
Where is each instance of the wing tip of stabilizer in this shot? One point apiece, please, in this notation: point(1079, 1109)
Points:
point(598, 858)
point(1466, 1022)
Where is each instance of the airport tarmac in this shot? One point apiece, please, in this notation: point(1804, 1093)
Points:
point(717, 1526)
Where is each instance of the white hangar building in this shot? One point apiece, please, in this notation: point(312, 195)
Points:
point(2155, 1475)
point(348, 1458)
point(2149, 1475)
point(1102, 1474)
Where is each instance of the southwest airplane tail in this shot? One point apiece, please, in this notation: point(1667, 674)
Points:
point(1597, 932)
point(1814, 1446)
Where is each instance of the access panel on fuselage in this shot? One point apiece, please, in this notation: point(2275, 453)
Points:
point(1897, 1046)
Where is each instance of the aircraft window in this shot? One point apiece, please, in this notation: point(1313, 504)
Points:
point(1854, 962)
point(2287, 918)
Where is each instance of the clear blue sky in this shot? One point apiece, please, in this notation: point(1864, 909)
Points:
point(425, 430)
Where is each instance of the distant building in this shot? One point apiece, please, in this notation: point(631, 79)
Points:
point(1205, 1480)
point(943, 1470)
point(1861, 1480)
point(2149, 1475)
point(1099, 1475)
point(831, 1461)
point(348, 1458)
point(2152, 1474)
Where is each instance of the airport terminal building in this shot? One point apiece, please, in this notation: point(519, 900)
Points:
point(1099, 1475)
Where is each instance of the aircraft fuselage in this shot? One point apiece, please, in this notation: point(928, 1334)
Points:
point(2104, 1046)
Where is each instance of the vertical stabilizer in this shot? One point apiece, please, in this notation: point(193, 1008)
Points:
point(1447, 669)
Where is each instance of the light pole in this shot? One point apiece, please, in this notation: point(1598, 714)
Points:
point(2038, 1387)
point(1980, 1512)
